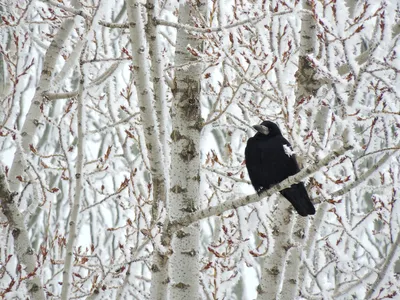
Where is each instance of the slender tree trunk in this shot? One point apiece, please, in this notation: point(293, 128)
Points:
point(157, 73)
point(79, 186)
point(298, 233)
point(145, 97)
point(307, 86)
point(185, 162)
point(22, 245)
point(273, 269)
point(312, 236)
point(34, 114)
point(273, 266)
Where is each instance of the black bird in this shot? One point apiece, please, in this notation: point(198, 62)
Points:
point(269, 161)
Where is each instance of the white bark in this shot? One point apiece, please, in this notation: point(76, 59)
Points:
point(34, 115)
point(145, 98)
point(185, 162)
point(307, 85)
point(312, 236)
point(32, 121)
point(298, 234)
point(305, 75)
point(157, 71)
point(22, 245)
point(74, 217)
point(341, 248)
point(273, 265)
point(79, 173)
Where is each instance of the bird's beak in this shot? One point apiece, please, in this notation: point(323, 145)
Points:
point(261, 129)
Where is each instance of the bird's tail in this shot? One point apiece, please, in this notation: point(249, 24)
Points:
point(297, 195)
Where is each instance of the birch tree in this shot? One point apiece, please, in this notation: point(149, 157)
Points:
point(122, 135)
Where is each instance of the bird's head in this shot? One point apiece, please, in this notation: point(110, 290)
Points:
point(268, 128)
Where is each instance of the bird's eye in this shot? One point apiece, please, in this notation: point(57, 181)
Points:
point(265, 129)
point(261, 129)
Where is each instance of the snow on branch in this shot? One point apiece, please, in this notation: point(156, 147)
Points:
point(34, 113)
point(161, 22)
point(23, 248)
point(59, 96)
point(78, 12)
point(219, 209)
point(389, 263)
point(209, 29)
point(112, 125)
point(364, 176)
point(227, 175)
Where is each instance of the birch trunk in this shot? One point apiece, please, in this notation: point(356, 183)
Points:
point(79, 185)
point(273, 266)
point(307, 86)
point(160, 261)
point(157, 67)
point(298, 232)
point(145, 97)
point(34, 115)
point(22, 245)
point(273, 269)
point(185, 163)
point(149, 122)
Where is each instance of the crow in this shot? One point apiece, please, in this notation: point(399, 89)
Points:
point(270, 160)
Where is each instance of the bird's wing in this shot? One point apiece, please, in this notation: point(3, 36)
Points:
point(291, 162)
point(287, 159)
point(254, 163)
point(268, 163)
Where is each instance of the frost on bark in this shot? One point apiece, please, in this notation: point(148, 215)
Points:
point(185, 160)
point(23, 248)
point(157, 72)
point(280, 268)
point(145, 98)
point(22, 241)
point(307, 79)
point(73, 227)
point(274, 265)
point(34, 115)
point(307, 86)
point(306, 74)
point(298, 234)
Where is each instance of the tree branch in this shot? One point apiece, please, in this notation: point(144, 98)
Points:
point(209, 29)
point(161, 22)
point(390, 260)
point(78, 12)
point(74, 218)
point(361, 178)
point(58, 96)
point(228, 205)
